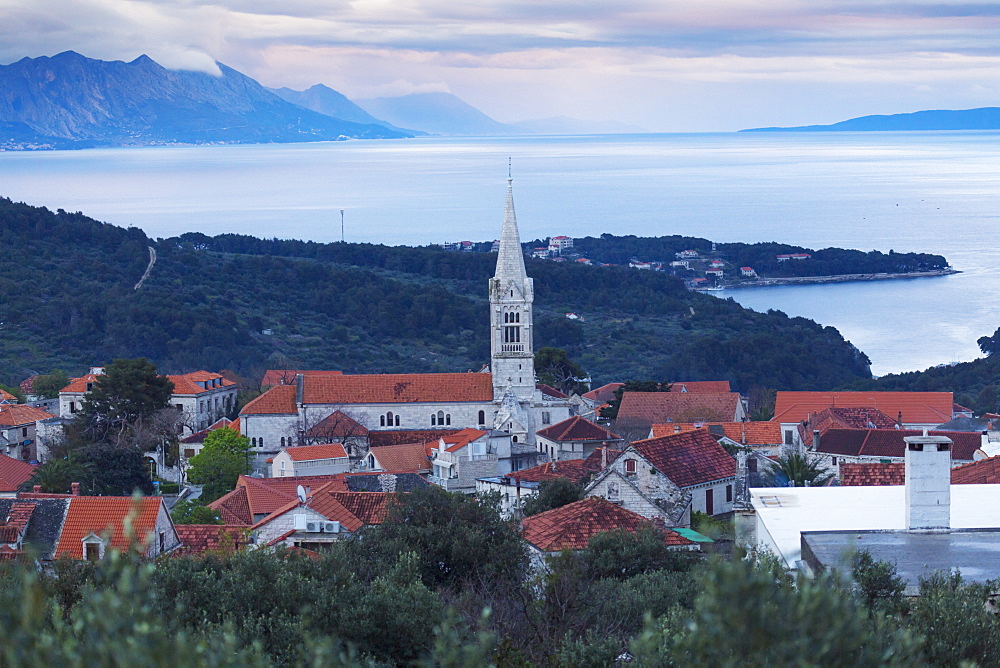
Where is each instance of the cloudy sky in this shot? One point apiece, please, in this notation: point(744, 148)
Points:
point(667, 65)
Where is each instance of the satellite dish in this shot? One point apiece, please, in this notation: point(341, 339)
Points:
point(300, 492)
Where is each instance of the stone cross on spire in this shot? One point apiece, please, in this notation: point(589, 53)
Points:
point(510, 258)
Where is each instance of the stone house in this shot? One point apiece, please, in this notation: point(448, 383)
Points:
point(18, 431)
point(326, 459)
point(457, 460)
point(640, 410)
point(575, 438)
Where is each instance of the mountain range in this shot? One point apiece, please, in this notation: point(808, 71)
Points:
point(985, 118)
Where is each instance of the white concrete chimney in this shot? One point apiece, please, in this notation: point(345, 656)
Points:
point(928, 482)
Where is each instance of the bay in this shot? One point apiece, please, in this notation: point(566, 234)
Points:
point(930, 192)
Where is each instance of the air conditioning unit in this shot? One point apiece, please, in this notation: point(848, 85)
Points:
point(331, 527)
point(314, 526)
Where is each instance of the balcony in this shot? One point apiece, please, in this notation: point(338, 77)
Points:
point(512, 348)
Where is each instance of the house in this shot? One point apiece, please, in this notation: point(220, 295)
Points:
point(18, 431)
point(922, 526)
point(517, 486)
point(836, 447)
point(760, 436)
point(326, 459)
point(912, 410)
point(328, 515)
point(190, 446)
point(571, 527)
point(200, 539)
point(783, 257)
point(638, 411)
point(985, 471)
point(718, 386)
point(540, 253)
point(13, 474)
point(405, 457)
point(687, 254)
point(748, 272)
point(575, 438)
point(560, 243)
point(689, 469)
point(717, 273)
point(457, 460)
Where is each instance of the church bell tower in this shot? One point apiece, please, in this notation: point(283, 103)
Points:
point(512, 293)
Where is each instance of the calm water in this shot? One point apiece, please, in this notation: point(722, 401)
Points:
point(934, 192)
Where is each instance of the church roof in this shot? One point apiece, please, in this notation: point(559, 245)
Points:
point(660, 407)
point(397, 388)
point(510, 257)
point(279, 400)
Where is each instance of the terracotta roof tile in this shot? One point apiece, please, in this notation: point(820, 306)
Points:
point(202, 538)
point(916, 407)
point(550, 391)
point(187, 383)
point(7, 396)
point(402, 458)
point(395, 437)
point(721, 386)
point(337, 425)
point(571, 527)
point(689, 458)
point(603, 394)
point(234, 507)
point(279, 400)
point(28, 384)
point(458, 440)
point(353, 509)
point(571, 469)
point(659, 407)
point(397, 388)
point(985, 471)
point(14, 473)
point(287, 376)
point(872, 474)
point(577, 428)
point(747, 433)
point(79, 384)
point(306, 453)
point(97, 514)
point(12, 415)
point(889, 442)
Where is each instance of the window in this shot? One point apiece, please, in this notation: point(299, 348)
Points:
point(188, 453)
point(482, 417)
point(834, 461)
point(513, 439)
point(381, 420)
point(752, 465)
point(389, 420)
point(24, 434)
point(729, 492)
point(163, 542)
point(629, 466)
point(179, 407)
point(282, 441)
point(788, 437)
point(546, 417)
point(72, 407)
point(92, 551)
point(260, 441)
point(253, 442)
point(512, 334)
point(709, 501)
point(447, 419)
point(433, 419)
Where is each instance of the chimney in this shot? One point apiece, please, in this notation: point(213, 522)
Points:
point(75, 488)
point(604, 457)
point(36, 489)
point(928, 482)
point(815, 439)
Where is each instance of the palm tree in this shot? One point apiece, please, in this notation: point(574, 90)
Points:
point(801, 470)
point(57, 475)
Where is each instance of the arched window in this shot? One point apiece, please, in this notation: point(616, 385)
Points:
point(447, 419)
point(253, 442)
point(381, 420)
point(282, 441)
point(517, 317)
point(513, 439)
point(260, 441)
point(390, 420)
point(440, 415)
point(397, 420)
point(506, 317)
point(482, 417)
point(433, 419)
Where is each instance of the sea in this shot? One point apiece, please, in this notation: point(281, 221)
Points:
point(935, 192)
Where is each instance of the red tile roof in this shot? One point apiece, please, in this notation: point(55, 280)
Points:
point(395, 437)
point(279, 400)
point(353, 509)
point(577, 428)
point(405, 457)
point(80, 384)
point(872, 474)
point(255, 497)
point(287, 376)
point(658, 407)
point(28, 384)
point(337, 425)
point(202, 538)
point(234, 507)
point(397, 388)
point(571, 527)
point(550, 391)
point(689, 458)
point(457, 441)
point(889, 442)
point(12, 415)
point(747, 433)
point(98, 514)
point(14, 473)
point(985, 471)
point(187, 384)
point(603, 394)
point(571, 469)
point(916, 407)
point(307, 453)
point(7, 396)
point(840, 417)
point(701, 386)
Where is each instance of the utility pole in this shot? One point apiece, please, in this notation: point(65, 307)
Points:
point(341, 226)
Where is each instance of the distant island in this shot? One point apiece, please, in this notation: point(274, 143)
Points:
point(985, 118)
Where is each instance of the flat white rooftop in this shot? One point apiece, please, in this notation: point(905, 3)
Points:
point(783, 513)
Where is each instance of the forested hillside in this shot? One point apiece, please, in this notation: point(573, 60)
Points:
point(69, 301)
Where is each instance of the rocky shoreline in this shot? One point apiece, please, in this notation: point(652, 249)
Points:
point(839, 278)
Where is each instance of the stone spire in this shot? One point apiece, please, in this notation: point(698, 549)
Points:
point(510, 259)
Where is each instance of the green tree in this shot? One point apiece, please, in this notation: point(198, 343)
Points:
point(116, 470)
point(990, 344)
point(192, 512)
point(16, 391)
point(552, 493)
point(622, 554)
point(224, 457)
point(48, 385)
point(129, 389)
point(554, 367)
point(877, 584)
point(57, 475)
point(456, 538)
point(954, 618)
point(798, 468)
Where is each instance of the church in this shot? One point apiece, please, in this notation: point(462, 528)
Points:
point(505, 399)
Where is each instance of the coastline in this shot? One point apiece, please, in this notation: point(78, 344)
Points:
point(837, 278)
